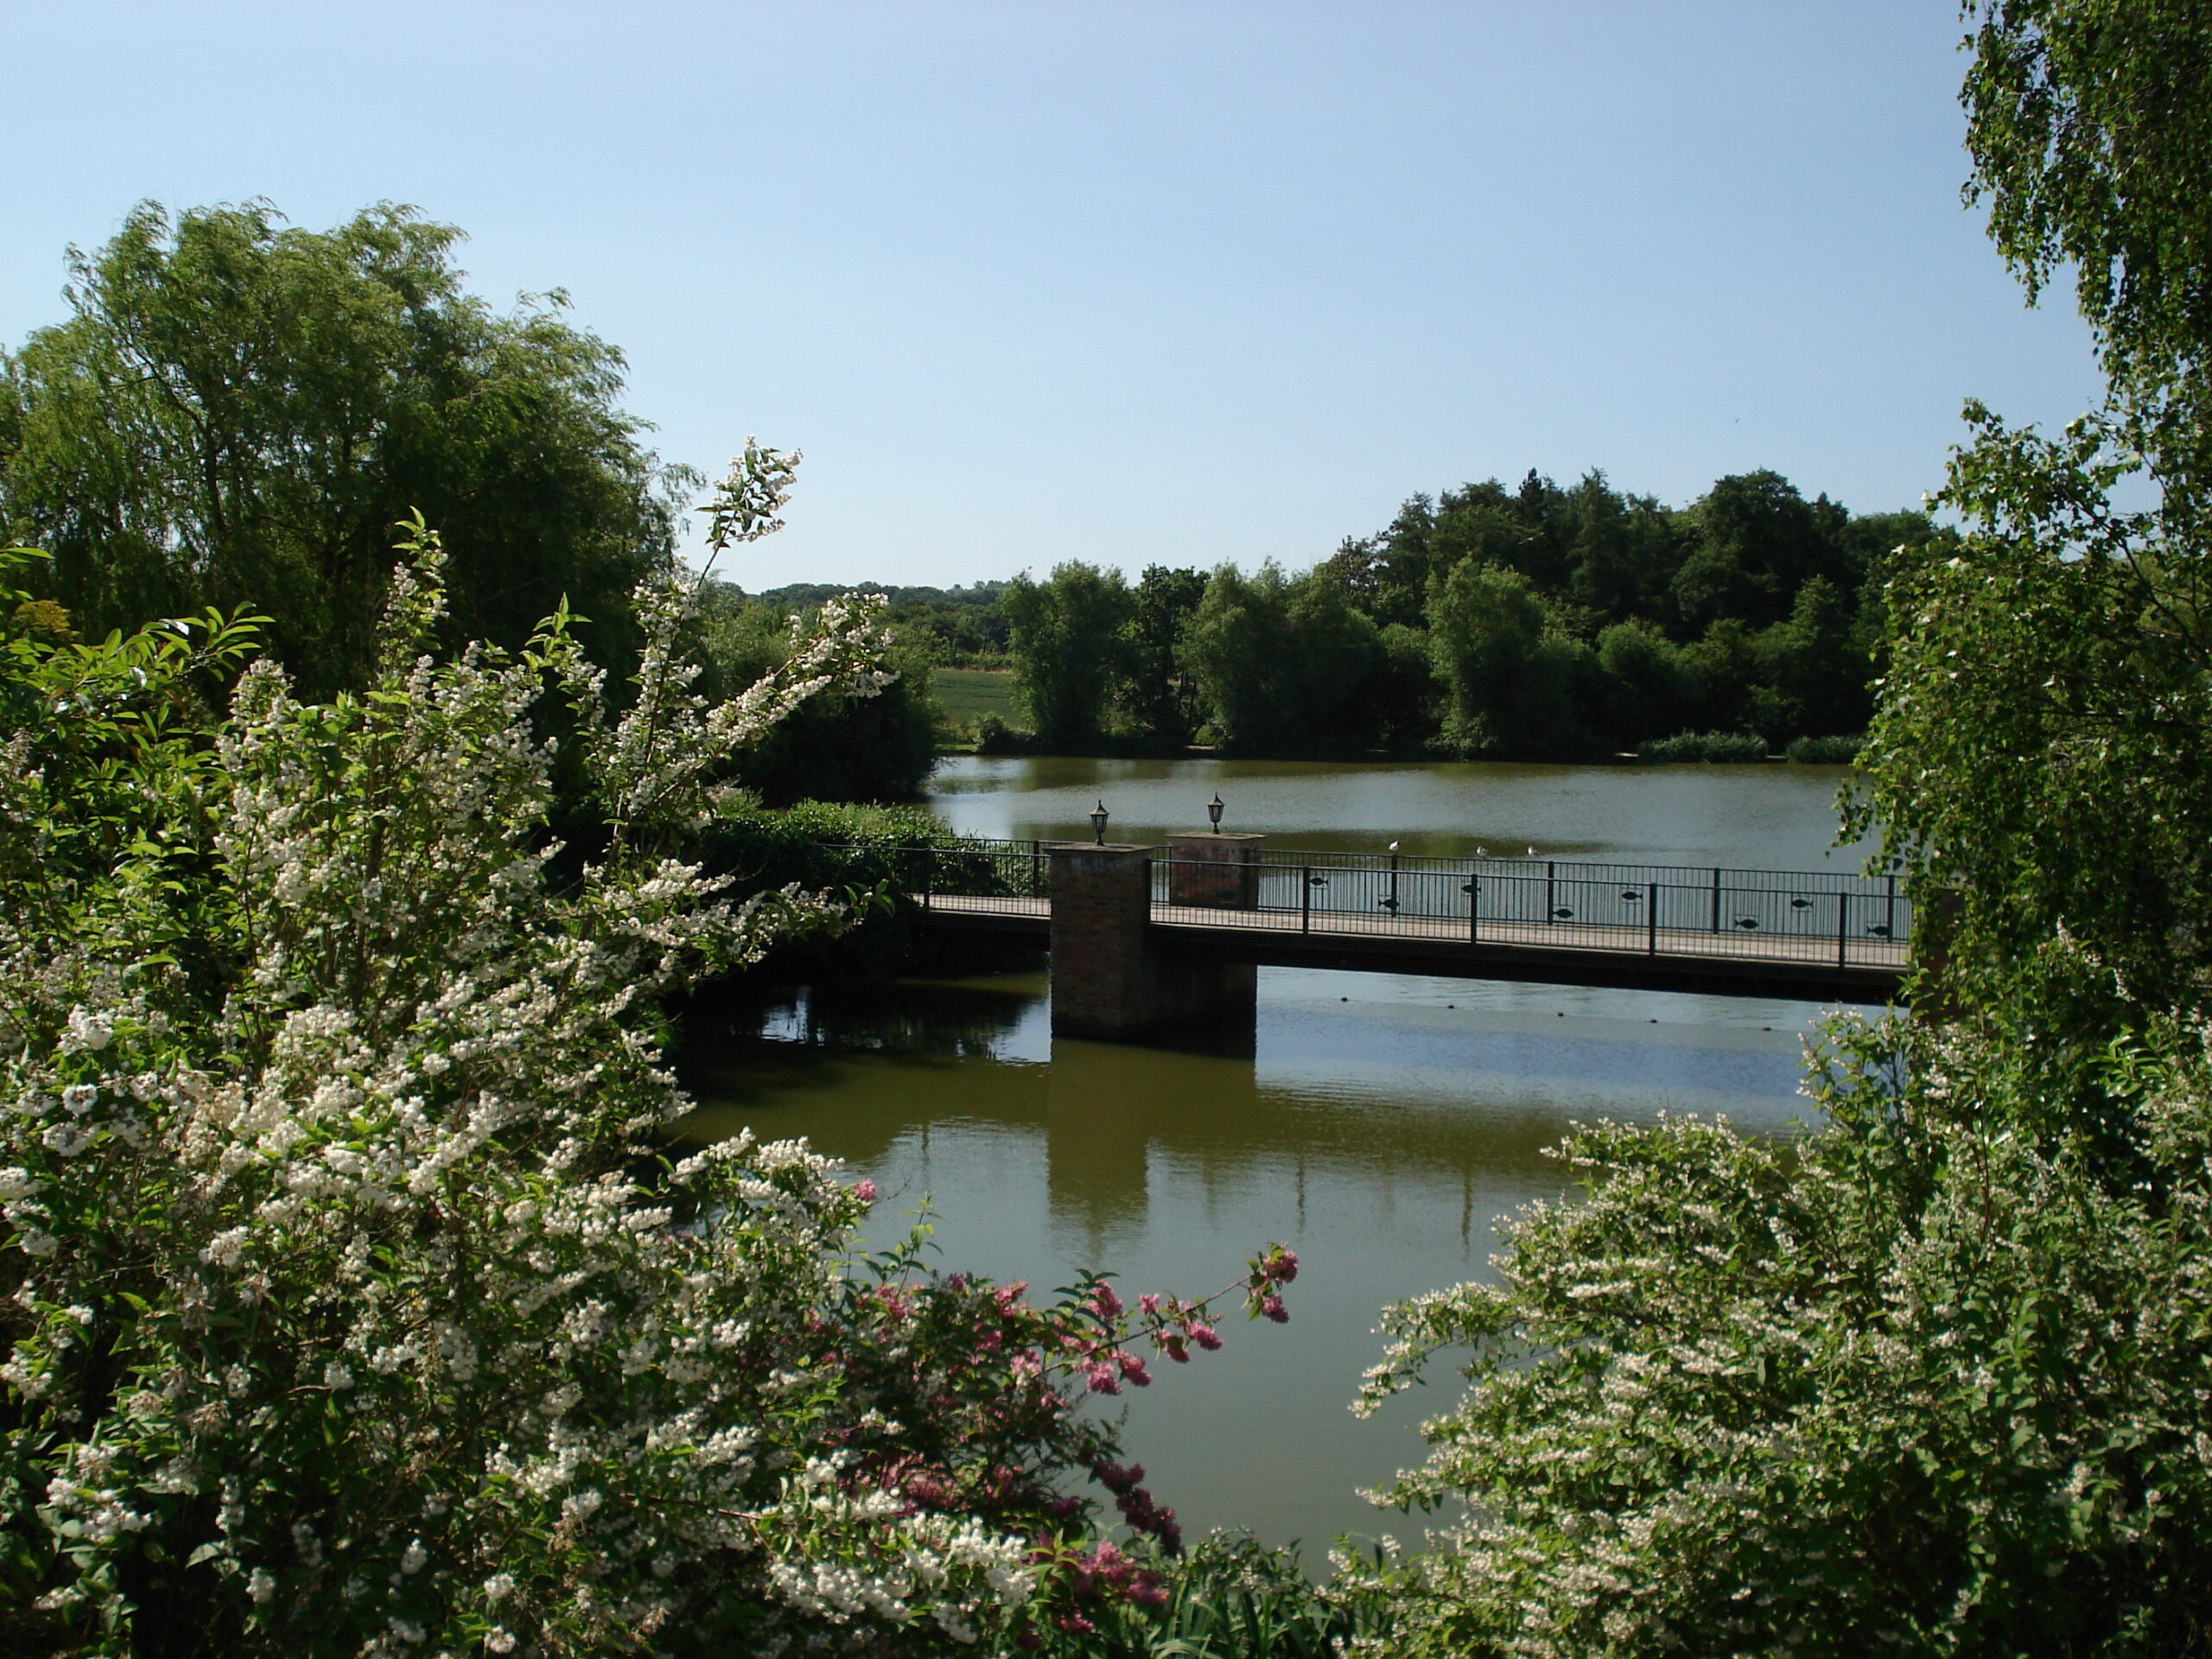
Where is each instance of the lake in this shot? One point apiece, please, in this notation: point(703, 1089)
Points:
point(1380, 1126)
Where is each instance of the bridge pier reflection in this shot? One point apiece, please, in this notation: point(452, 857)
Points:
point(1110, 1106)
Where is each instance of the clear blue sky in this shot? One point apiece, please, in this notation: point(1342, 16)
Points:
point(1182, 281)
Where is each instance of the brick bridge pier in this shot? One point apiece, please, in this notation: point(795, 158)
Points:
point(1115, 976)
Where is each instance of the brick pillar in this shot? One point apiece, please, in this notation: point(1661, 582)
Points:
point(1111, 978)
point(1102, 980)
point(1214, 871)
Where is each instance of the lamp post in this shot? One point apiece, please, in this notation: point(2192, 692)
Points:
point(1214, 809)
point(1098, 822)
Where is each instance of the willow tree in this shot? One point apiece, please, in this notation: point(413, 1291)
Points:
point(236, 411)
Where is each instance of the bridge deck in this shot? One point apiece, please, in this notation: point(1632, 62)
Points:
point(1559, 953)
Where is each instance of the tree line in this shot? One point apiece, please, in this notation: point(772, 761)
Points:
point(1537, 621)
point(237, 410)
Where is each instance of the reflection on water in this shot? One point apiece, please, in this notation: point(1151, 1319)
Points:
point(1746, 818)
point(1380, 1128)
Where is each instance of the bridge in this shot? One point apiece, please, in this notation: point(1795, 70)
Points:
point(1147, 938)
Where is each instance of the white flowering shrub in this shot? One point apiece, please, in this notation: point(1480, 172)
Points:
point(1921, 1382)
point(352, 1303)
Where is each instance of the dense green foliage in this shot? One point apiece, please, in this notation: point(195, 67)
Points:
point(1229, 1598)
point(839, 748)
point(2090, 127)
point(961, 626)
point(1282, 663)
point(1929, 1381)
point(1712, 745)
point(862, 855)
point(1534, 622)
point(1932, 1379)
point(1068, 640)
point(236, 413)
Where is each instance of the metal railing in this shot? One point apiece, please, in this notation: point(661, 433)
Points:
point(1803, 916)
point(1811, 916)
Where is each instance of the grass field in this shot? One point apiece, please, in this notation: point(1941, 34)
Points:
point(967, 695)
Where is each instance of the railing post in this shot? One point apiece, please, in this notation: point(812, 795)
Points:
point(1306, 899)
point(1036, 867)
point(1651, 919)
point(1716, 901)
point(929, 871)
point(1474, 906)
point(1551, 890)
point(1842, 932)
point(1889, 911)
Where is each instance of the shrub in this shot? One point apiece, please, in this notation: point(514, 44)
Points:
point(1731, 746)
point(1929, 1381)
point(995, 736)
point(1231, 1598)
point(1824, 750)
point(352, 1303)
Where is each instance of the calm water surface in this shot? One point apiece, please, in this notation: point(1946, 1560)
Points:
point(1748, 817)
point(1380, 1126)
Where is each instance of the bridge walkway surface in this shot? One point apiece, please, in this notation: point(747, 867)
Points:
point(1815, 936)
point(1569, 954)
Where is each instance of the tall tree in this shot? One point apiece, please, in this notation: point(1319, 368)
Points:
point(2045, 738)
point(1284, 665)
point(1508, 676)
point(236, 412)
point(1758, 541)
point(2090, 128)
point(1068, 637)
point(1160, 698)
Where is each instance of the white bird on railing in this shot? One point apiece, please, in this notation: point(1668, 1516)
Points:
point(1394, 847)
point(1532, 852)
point(1481, 852)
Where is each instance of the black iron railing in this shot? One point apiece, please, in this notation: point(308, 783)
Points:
point(1847, 919)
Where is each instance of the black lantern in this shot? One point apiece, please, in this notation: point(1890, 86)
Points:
point(1213, 811)
point(1098, 822)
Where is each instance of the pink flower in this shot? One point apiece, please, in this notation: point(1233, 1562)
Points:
point(1285, 1265)
point(1272, 1307)
point(1206, 1336)
point(1149, 1302)
point(1116, 1477)
point(1100, 1378)
point(1133, 1367)
point(1107, 1305)
point(865, 1192)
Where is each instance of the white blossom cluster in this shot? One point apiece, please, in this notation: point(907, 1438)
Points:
point(1841, 1395)
point(341, 1257)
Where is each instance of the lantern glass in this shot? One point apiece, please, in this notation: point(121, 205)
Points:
point(1098, 822)
point(1214, 811)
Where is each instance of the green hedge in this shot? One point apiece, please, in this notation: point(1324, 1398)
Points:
point(864, 855)
point(1704, 746)
point(1825, 751)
